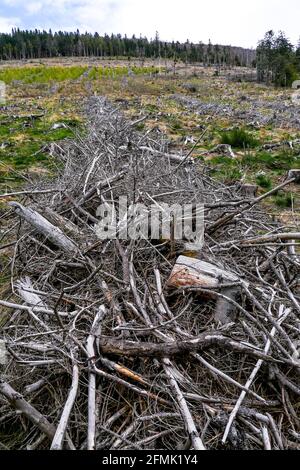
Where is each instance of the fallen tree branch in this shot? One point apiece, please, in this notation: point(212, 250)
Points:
point(184, 409)
point(204, 341)
point(17, 401)
point(42, 225)
point(57, 442)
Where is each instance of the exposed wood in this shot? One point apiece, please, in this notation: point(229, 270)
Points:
point(25, 290)
point(62, 223)
point(190, 272)
point(184, 409)
point(58, 439)
point(90, 346)
point(26, 308)
point(204, 341)
point(43, 226)
point(168, 156)
point(17, 401)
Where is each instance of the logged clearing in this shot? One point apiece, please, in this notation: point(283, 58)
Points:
point(148, 343)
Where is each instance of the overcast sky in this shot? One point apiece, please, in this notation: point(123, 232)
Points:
point(235, 22)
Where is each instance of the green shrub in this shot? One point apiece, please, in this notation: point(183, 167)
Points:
point(284, 200)
point(225, 169)
point(239, 138)
point(233, 174)
point(286, 75)
point(279, 162)
point(264, 182)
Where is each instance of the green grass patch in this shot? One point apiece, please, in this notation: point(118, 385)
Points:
point(225, 169)
point(283, 200)
point(23, 156)
point(97, 73)
point(278, 163)
point(264, 182)
point(28, 152)
point(151, 108)
point(239, 138)
point(41, 74)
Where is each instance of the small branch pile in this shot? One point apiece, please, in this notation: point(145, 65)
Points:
point(108, 348)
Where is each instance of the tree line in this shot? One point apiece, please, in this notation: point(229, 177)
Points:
point(278, 60)
point(38, 44)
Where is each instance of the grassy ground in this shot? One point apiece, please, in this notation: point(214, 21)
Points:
point(45, 104)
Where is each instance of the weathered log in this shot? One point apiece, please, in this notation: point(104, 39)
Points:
point(19, 403)
point(42, 225)
point(189, 272)
point(286, 143)
point(183, 407)
point(277, 145)
point(90, 347)
point(270, 238)
point(204, 341)
point(3, 353)
point(61, 222)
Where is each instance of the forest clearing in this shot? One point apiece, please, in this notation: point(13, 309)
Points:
point(148, 344)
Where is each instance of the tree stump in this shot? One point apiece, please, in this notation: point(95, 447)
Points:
point(249, 191)
point(190, 272)
point(294, 174)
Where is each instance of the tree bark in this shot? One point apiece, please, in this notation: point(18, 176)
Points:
point(17, 401)
point(42, 225)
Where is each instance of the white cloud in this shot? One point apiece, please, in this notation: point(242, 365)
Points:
point(229, 22)
point(6, 24)
point(33, 8)
point(11, 2)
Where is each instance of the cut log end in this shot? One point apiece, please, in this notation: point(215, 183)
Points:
point(190, 272)
point(294, 174)
point(194, 273)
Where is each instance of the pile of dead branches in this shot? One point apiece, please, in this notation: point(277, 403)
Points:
point(141, 343)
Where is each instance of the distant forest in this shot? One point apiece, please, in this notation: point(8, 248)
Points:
point(42, 44)
point(278, 60)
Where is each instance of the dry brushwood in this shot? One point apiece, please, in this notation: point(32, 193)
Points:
point(103, 351)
